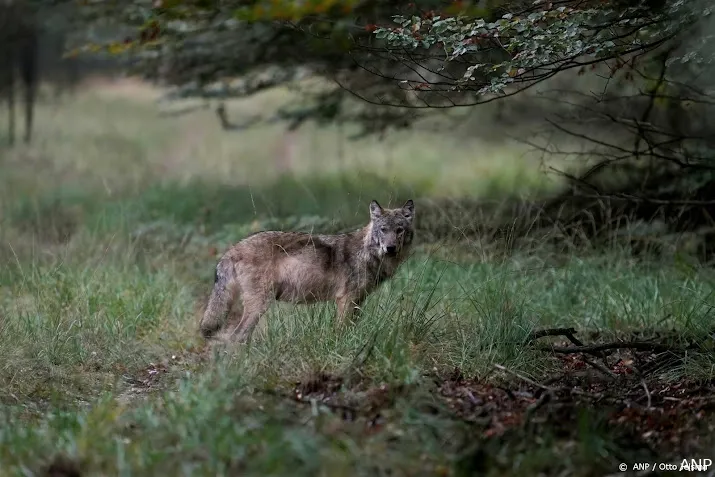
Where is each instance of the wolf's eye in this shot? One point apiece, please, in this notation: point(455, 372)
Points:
point(383, 229)
point(399, 230)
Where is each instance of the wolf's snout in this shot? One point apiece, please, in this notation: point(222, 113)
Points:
point(391, 250)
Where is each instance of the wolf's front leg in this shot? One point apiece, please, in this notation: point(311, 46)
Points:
point(254, 306)
point(349, 310)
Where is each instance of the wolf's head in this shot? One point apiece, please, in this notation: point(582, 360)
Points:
point(391, 230)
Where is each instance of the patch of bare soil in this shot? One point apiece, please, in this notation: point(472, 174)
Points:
point(153, 377)
point(142, 384)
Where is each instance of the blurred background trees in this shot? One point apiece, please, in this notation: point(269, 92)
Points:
point(620, 89)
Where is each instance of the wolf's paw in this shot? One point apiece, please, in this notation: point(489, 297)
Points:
point(209, 330)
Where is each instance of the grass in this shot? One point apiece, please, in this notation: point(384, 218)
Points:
point(110, 228)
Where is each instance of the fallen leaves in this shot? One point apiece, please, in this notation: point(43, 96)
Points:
point(670, 421)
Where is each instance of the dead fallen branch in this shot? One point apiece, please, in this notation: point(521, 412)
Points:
point(595, 349)
point(568, 333)
point(634, 345)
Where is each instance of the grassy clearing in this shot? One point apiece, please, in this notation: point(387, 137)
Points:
point(110, 229)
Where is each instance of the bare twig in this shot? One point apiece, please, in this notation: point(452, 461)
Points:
point(546, 397)
point(523, 378)
point(599, 367)
point(647, 393)
point(310, 401)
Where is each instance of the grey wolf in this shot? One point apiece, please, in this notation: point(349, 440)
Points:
point(302, 268)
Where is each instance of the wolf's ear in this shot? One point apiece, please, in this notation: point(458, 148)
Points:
point(408, 210)
point(375, 210)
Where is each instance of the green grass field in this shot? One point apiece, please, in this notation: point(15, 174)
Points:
point(110, 227)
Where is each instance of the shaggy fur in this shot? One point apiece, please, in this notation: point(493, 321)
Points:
point(304, 268)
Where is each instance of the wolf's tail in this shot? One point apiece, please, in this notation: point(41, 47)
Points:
point(221, 298)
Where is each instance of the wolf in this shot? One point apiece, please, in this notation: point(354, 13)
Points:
point(302, 268)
